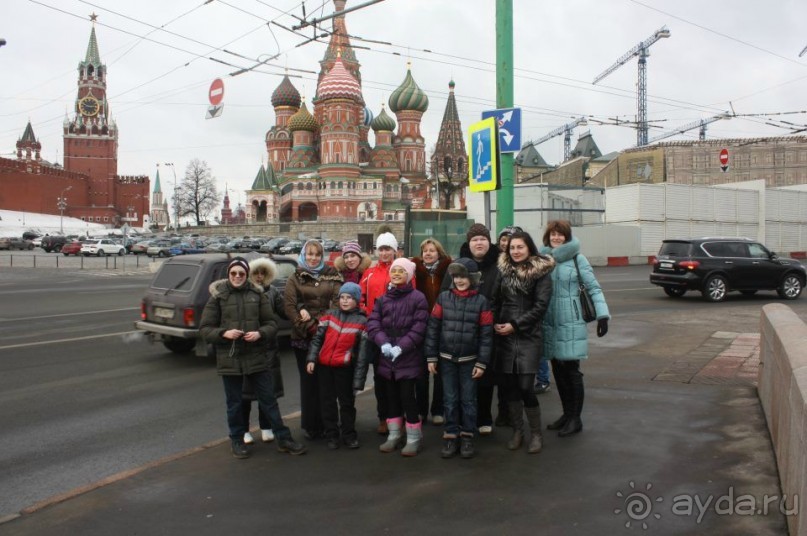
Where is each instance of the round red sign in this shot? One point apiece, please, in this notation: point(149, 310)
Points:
point(724, 157)
point(216, 94)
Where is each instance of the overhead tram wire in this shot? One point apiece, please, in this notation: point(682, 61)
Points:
point(197, 56)
point(725, 36)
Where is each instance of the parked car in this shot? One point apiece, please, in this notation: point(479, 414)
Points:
point(102, 247)
point(139, 248)
point(171, 310)
point(159, 248)
point(274, 244)
point(72, 248)
point(330, 245)
point(13, 242)
point(717, 266)
point(53, 243)
point(292, 246)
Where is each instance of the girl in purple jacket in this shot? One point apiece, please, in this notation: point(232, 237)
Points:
point(398, 326)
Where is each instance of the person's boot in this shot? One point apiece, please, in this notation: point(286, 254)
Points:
point(467, 447)
point(574, 425)
point(536, 442)
point(290, 446)
point(414, 439)
point(564, 392)
point(450, 448)
point(516, 411)
point(239, 449)
point(394, 436)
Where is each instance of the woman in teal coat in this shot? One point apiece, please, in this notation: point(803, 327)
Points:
point(565, 333)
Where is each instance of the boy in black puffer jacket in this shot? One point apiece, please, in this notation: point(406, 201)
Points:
point(458, 344)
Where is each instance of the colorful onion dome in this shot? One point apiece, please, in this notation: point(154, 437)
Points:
point(286, 94)
point(408, 96)
point(368, 116)
point(303, 120)
point(339, 83)
point(383, 121)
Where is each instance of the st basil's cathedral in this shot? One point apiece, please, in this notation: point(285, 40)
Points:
point(321, 165)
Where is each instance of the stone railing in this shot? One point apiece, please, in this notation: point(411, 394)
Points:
point(783, 394)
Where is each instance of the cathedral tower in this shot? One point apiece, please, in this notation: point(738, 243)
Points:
point(449, 163)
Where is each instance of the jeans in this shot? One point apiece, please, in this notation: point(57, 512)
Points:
point(266, 401)
point(459, 388)
point(543, 372)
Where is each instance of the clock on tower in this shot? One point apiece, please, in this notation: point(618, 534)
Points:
point(89, 106)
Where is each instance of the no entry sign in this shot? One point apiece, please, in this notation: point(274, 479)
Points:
point(216, 94)
point(724, 157)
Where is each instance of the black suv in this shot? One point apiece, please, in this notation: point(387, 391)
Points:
point(53, 243)
point(171, 310)
point(716, 266)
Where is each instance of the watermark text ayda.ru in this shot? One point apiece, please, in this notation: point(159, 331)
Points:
point(646, 507)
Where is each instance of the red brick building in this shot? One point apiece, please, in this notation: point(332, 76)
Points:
point(89, 180)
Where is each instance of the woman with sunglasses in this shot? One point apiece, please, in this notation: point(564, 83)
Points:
point(310, 293)
point(237, 321)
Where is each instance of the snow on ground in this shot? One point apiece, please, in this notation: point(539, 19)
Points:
point(14, 223)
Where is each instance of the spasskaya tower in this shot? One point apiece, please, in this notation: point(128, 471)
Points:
point(91, 136)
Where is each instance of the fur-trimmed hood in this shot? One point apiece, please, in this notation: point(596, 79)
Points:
point(222, 287)
point(266, 264)
point(523, 275)
point(366, 261)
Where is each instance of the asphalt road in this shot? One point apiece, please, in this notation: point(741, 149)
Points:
point(83, 398)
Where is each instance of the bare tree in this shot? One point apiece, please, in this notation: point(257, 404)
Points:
point(197, 195)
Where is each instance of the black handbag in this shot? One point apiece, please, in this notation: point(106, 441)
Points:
point(586, 303)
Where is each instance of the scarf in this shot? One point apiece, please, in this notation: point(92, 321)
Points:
point(304, 265)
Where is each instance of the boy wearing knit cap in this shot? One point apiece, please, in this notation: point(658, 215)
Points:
point(397, 325)
point(333, 352)
point(486, 255)
point(459, 344)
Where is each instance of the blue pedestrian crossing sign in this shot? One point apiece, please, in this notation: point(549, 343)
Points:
point(509, 120)
point(483, 165)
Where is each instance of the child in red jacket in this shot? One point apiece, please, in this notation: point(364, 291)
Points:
point(334, 350)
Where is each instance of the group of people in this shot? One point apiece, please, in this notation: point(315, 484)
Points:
point(455, 329)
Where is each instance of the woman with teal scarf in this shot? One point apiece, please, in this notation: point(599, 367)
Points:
point(565, 332)
point(310, 292)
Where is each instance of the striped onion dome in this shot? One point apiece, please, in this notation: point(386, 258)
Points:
point(339, 83)
point(286, 94)
point(383, 121)
point(408, 96)
point(368, 116)
point(303, 120)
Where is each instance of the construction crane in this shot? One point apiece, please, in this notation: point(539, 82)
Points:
point(701, 123)
point(566, 130)
point(641, 50)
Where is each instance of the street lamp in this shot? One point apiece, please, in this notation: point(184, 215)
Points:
point(61, 204)
point(176, 205)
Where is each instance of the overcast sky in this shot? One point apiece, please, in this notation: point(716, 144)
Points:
point(743, 52)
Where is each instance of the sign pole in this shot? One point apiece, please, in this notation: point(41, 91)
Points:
point(504, 99)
